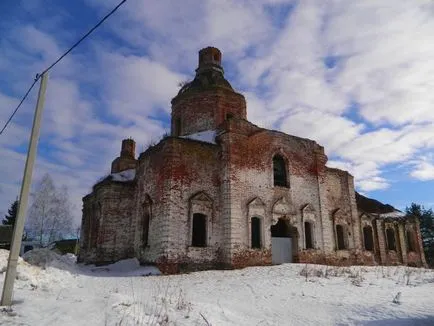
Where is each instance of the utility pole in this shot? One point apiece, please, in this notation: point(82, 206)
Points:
point(11, 271)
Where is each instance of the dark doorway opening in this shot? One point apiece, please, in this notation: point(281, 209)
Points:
point(199, 230)
point(340, 237)
point(308, 235)
point(368, 238)
point(280, 230)
point(256, 232)
point(146, 216)
point(390, 235)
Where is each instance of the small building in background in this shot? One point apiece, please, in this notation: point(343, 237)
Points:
point(6, 233)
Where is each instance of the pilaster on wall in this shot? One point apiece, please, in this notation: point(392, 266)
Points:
point(327, 235)
point(420, 244)
point(226, 197)
point(381, 241)
point(357, 244)
point(234, 219)
point(175, 239)
point(401, 233)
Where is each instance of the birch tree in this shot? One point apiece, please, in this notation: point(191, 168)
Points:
point(50, 216)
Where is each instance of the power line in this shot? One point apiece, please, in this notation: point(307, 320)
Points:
point(21, 102)
point(38, 76)
point(86, 35)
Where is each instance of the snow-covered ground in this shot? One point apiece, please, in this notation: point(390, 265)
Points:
point(53, 290)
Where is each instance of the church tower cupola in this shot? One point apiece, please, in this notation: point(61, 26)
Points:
point(206, 101)
point(210, 59)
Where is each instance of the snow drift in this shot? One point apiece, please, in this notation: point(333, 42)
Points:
point(50, 292)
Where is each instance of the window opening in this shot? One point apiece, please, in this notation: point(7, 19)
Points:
point(308, 235)
point(340, 237)
point(368, 238)
point(279, 171)
point(390, 234)
point(199, 230)
point(256, 232)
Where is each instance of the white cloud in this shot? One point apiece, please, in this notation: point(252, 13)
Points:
point(424, 171)
point(384, 62)
point(366, 174)
point(389, 60)
point(330, 130)
point(137, 86)
point(423, 167)
point(375, 183)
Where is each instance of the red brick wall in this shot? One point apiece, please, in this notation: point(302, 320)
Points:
point(205, 110)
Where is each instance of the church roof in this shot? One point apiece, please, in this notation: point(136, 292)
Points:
point(369, 205)
point(205, 80)
point(209, 73)
point(383, 211)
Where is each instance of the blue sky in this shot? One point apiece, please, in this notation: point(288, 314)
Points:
point(357, 77)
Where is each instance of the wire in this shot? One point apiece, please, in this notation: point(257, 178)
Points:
point(21, 102)
point(38, 76)
point(85, 35)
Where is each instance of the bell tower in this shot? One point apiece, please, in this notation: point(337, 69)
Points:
point(210, 59)
point(208, 99)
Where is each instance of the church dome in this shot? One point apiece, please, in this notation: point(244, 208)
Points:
point(209, 74)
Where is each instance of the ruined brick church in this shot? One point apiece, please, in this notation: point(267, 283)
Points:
point(221, 192)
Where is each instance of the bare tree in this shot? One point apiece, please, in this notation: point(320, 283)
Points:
point(50, 216)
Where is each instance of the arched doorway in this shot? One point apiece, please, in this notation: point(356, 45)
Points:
point(284, 242)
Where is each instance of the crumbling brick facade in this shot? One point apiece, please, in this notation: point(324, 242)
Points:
point(219, 189)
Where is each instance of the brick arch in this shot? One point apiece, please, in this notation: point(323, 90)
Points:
point(340, 229)
point(307, 208)
point(200, 209)
point(282, 208)
point(200, 196)
point(280, 154)
point(411, 238)
point(145, 219)
point(255, 219)
point(308, 224)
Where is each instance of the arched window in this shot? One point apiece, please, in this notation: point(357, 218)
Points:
point(89, 230)
point(145, 223)
point(279, 171)
point(256, 232)
point(390, 235)
point(101, 228)
point(199, 230)
point(411, 246)
point(308, 235)
point(340, 237)
point(94, 229)
point(177, 126)
point(368, 238)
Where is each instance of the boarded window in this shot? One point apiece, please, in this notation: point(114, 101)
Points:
point(279, 171)
point(199, 230)
point(411, 246)
point(390, 234)
point(368, 238)
point(256, 232)
point(308, 235)
point(340, 237)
